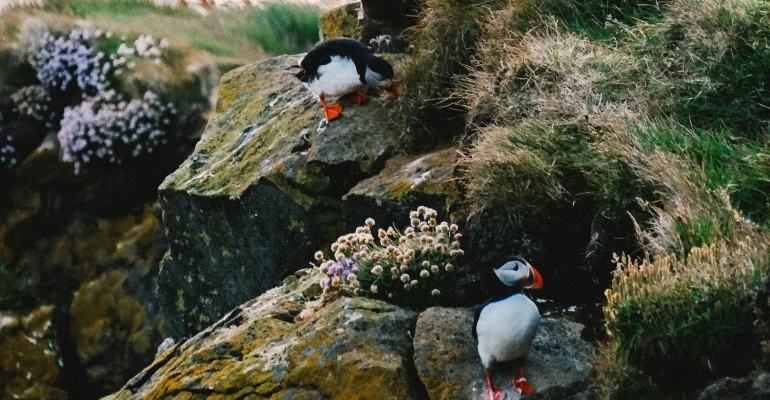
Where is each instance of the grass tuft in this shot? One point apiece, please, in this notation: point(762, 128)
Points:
point(693, 316)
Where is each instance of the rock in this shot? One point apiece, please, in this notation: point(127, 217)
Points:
point(261, 191)
point(29, 366)
point(280, 347)
point(25, 205)
point(754, 387)
point(44, 166)
point(448, 363)
point(344, 21)
point(387, 17)
point(405, 183)
point(114, 333)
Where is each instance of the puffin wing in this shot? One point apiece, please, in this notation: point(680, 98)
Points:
point(476, 316)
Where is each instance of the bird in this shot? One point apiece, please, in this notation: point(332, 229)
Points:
point(344, 66)
point(505, 327)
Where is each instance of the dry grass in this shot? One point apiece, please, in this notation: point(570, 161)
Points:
point(552, 75)
point(660, 121)
point(442, 46)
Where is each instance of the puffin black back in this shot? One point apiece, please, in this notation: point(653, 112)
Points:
point(322, 54)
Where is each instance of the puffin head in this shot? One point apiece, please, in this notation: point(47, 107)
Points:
point(379, 73)
point(516, 271)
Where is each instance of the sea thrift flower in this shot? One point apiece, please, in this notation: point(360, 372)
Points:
point(418, 252)
point(71, 61)
point(101, 130)
point(32, 101)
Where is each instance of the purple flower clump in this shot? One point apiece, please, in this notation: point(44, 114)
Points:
point(64, 61)
point(104, 130)
point(339, 272)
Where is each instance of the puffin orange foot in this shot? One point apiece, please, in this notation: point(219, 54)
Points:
point(494, 393)
point(358, 97)
point(521, 385)
point(333, 111)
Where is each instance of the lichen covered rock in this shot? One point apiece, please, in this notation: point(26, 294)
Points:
point(261, 191)
point(280, 347)
point(448, 363)
point(114, 334)
point(342, 21)
point(405, 183)
point(29, 365)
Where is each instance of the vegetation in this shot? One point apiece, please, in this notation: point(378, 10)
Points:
point(231, 37)
point(416, 267)
point(652, 113)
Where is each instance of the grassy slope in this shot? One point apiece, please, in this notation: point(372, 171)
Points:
point(232, 37)
point(656, 110)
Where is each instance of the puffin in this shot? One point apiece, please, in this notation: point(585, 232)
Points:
point(505, 327)
point(344, 66)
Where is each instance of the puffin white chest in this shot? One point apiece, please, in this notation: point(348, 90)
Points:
point(506, 329)
point(337, 78)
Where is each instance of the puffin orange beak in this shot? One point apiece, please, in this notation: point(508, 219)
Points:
point(537, 281)
point(393, 89)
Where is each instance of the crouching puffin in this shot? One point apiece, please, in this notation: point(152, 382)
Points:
point(338, 67)
point(505, 327)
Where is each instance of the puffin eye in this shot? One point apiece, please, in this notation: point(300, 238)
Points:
point(516, 266)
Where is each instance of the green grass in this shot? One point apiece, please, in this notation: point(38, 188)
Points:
point(232, 37)
point(737, 164)
point(283, 28)
point(120, 9)
point(693, 315)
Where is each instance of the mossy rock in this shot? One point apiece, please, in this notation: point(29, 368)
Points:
point(280, 346)
point(342, 22)
point(261, 192)
point(405, 183)
point(28, 359)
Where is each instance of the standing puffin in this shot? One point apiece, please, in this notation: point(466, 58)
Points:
point(343, 66)
point(505, 327)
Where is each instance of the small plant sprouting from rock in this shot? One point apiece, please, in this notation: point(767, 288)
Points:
point(415, 267)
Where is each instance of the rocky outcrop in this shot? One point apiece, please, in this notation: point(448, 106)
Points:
point(285, 345)
point(405, 183)
point(261, 191)
point(280, 346)
point(100, 324)
point(29, 366)
point(753, 387)
point(112, 330)
point(385, 17)
point(342, 22)
point(383, 24)
point(448, 363)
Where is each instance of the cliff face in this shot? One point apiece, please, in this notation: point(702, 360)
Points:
point(270, 182)
point(281, 346)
